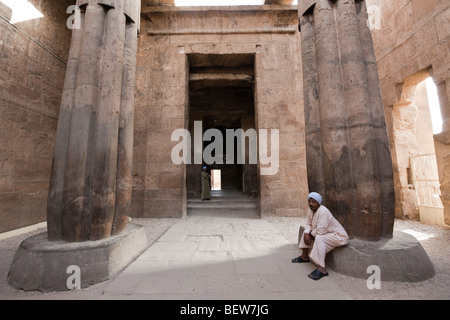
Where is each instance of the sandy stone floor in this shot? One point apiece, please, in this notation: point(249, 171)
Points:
point(434, 239)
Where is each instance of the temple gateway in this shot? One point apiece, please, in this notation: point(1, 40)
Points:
point(110, 106)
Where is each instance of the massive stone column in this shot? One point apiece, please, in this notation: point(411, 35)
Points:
point(348, 159)
point(90, 188)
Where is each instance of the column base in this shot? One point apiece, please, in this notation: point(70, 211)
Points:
point(400, 259)
point(42, 265)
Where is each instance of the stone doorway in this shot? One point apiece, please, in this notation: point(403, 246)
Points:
point(418, 194)
point(221, 97)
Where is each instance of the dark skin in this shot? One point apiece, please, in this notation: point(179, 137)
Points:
point(314, 206)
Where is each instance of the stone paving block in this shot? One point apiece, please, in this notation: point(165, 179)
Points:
point(258, 265)
point(211, 256)
point(167, 255)
point(173, 246)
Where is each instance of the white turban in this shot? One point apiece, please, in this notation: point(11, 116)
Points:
point(316, 197)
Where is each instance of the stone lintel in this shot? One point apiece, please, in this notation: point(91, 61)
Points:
point(42, 265)
point(153, 9)
point(220, 76)
point(218, 20)
point(220, 79)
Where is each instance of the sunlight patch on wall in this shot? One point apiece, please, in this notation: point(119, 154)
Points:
point(22, 10)
point(435, 108)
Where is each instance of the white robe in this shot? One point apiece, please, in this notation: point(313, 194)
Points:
point(328, 233)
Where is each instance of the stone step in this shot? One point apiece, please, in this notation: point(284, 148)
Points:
point(222, 201)
point(223, 211)
point(233, 204)
point(230, 205)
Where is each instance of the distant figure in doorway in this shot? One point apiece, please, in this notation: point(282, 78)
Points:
point(206, 185)
point(322, 234)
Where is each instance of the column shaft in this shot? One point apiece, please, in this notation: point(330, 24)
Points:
point(314, 152)
point(107, 126)
point(337, 162)
point(385, 168)
point(126, 132)
point(94, 143)
point(366, 208)
point(77, 187)
point(356, 161)
point(55, 196)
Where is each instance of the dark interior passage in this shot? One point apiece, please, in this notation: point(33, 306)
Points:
point(221, 96)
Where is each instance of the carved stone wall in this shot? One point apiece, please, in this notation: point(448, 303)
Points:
point(269, 37)
point(412, 37)
point(33, 60)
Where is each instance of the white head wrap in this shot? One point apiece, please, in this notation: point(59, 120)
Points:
point(316, 197)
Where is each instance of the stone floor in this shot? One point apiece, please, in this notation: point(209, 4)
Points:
point(232, 254)
point(222, 257)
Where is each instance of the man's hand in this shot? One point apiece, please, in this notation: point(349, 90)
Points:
point(308, 239)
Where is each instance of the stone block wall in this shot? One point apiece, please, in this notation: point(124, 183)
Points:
point(33, 58)
point(411, 38)
point(168, 36)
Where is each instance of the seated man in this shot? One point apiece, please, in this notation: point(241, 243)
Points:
point(322, 234)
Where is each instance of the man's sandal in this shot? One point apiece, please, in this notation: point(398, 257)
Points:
point(299, 260)
point(317, 275)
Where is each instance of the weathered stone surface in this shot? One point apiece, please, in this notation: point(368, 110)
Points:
point(159, 2)
point(92, 167)
point(411, 38)
point(356, 172)
point(5, 11)
point(224, 52)
point(283, 2)
point(400, 259)
point(33, 57)
point(42, 265)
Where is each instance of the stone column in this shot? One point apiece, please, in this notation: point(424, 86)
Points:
point(90, 189)
point(350, 128)
point(350, 160)
point(385, 168)
point(314, 150)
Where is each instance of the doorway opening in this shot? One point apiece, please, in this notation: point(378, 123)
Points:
point(221, 100)
point(216, 179)
point(416, 118)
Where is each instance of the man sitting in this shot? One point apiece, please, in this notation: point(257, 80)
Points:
point(322, 234)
